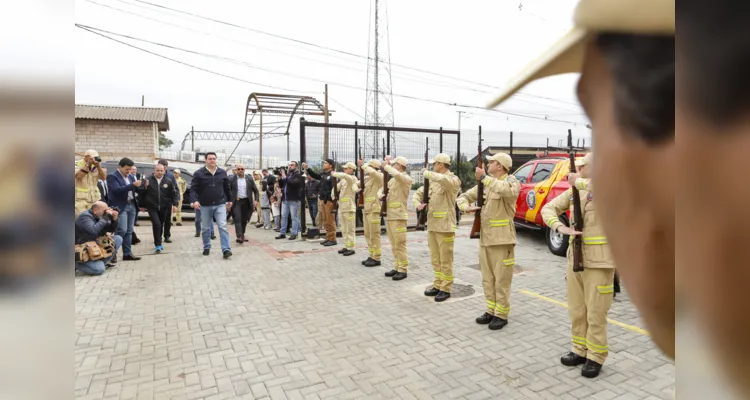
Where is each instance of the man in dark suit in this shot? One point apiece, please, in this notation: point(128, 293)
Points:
point(210, 193)
point(172, 178)
point(122, 195)
point(159, 196)
point(245, 199)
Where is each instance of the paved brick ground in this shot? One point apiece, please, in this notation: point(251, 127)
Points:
point(289, 320)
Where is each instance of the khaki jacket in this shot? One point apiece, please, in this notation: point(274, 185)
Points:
point(348, 187)
point(373, 183)
point(498, 210)
point(182, 186)
point(86, 188)
point(596, 252)
point(441, 212)
point(399, 187)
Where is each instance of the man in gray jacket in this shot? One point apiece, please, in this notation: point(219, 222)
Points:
point(99, 220)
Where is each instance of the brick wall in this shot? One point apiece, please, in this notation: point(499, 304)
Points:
point(116, 139)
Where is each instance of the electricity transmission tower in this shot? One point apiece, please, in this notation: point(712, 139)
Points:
point(379, 101)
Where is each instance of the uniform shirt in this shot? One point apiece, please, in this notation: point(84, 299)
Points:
point(441, 211)
point(241, 188)
point(498, 209)
point(87, 188)
point(182, 185)
point(348, 186)
point(399, 187)
point(373, 183)
point(596, 253)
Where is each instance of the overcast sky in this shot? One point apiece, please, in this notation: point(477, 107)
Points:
point(481, 41)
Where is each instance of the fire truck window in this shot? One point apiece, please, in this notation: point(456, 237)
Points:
point(542, 172)
point(523, 173)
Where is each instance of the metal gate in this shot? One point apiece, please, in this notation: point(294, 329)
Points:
point(342, 142)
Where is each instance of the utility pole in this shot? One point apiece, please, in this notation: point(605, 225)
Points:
point(143, 100)
point(459, 119)
point(325, 132)
point(260, 138)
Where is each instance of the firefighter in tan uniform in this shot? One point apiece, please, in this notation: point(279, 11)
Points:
point(497, 238)
point(88, 173)
point(182, 187)
point(590, 292)
point(441, 224)
point(371, 211)
point(399, 187)
point(258, 183)
point(348, 185)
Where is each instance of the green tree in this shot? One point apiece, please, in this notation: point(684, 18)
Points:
point(164, 141)
point(416, 185)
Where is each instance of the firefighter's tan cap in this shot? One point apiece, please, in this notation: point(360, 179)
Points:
point(504, 160)
point(350, 165)
point(441, 158)
point(401, 160)
point(585, 160)
point(647, 17)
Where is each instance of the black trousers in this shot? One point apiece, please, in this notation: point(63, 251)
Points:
point(241, 212)
point(160, 219)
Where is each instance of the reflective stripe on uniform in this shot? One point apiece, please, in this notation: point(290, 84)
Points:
point(449, 239)
point(491, 304)
point(502, 310)
point(82, 190)
point(579, 340)
point(606, 289)
point(551, 221)
point(439, 214)
point(595, 240)
point(344, 199)
point(596, 348)
point(509, 262)
point(401, 230)
point(350, 218)
point(498, 222)
point(369, 198)
point(396, 204)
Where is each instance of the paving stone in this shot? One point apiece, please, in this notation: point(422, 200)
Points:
point(293, 321)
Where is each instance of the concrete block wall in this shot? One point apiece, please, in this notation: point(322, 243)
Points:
point(116, 139)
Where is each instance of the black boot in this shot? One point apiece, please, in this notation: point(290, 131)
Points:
point(329, 244)
point(442, 296)
point(485, 319)
point(390, 273)
point(280, 237)
point(498, 323)
point(365, 261)
point(399, 276)
point(591, 369)
point(572, 360)
point(431, 292)
point(342, 250)
point(372, 263)
point(348, 253)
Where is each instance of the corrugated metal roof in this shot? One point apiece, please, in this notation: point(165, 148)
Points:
point(111, 113)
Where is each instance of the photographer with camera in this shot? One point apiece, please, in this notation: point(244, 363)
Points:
point(88, 173)
point(292, 184)
point(95, 243)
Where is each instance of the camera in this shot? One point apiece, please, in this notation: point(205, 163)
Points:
point(98, 159)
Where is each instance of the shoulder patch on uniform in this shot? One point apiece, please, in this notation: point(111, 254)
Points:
point(590, 196)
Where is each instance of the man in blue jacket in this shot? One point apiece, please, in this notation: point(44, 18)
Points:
point(122, 195)
point(210, 193)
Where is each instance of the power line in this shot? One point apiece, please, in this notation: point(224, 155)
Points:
point(328, 48)
point(345, 107)
point(94, 30)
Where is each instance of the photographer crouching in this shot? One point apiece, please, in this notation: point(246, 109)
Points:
point(96, 242)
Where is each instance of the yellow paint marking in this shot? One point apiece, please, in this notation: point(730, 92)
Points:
point(563, 304)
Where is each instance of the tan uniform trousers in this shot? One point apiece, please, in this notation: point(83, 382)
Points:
point(347, 228)
point(82, 205)
point(589, 298)
point(497, 274)
point(328, 219)
point(372, 234)
point(319, 216)
point(441, 253)
point(397, 237)
point(178, 214)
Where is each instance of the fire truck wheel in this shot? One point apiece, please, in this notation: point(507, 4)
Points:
point(557, 242)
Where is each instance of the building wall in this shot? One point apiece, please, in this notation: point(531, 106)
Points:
point(116, 139)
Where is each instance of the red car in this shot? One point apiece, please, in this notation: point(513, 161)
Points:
point(543, 179)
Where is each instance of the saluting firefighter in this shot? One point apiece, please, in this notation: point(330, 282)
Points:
point(348, 186)
point(441, 223)
point(590, 292)
point(395, 220)
point(371, 211)
point(497, 237)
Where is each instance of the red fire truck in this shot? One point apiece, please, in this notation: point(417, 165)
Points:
point(542, 179)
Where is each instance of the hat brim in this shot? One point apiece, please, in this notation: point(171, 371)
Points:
point(565, 56)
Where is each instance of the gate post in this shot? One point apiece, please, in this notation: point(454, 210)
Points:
point(511, 144)
point(388, 142)
point(441, 140)
point(302, 144)
point(458, 153)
